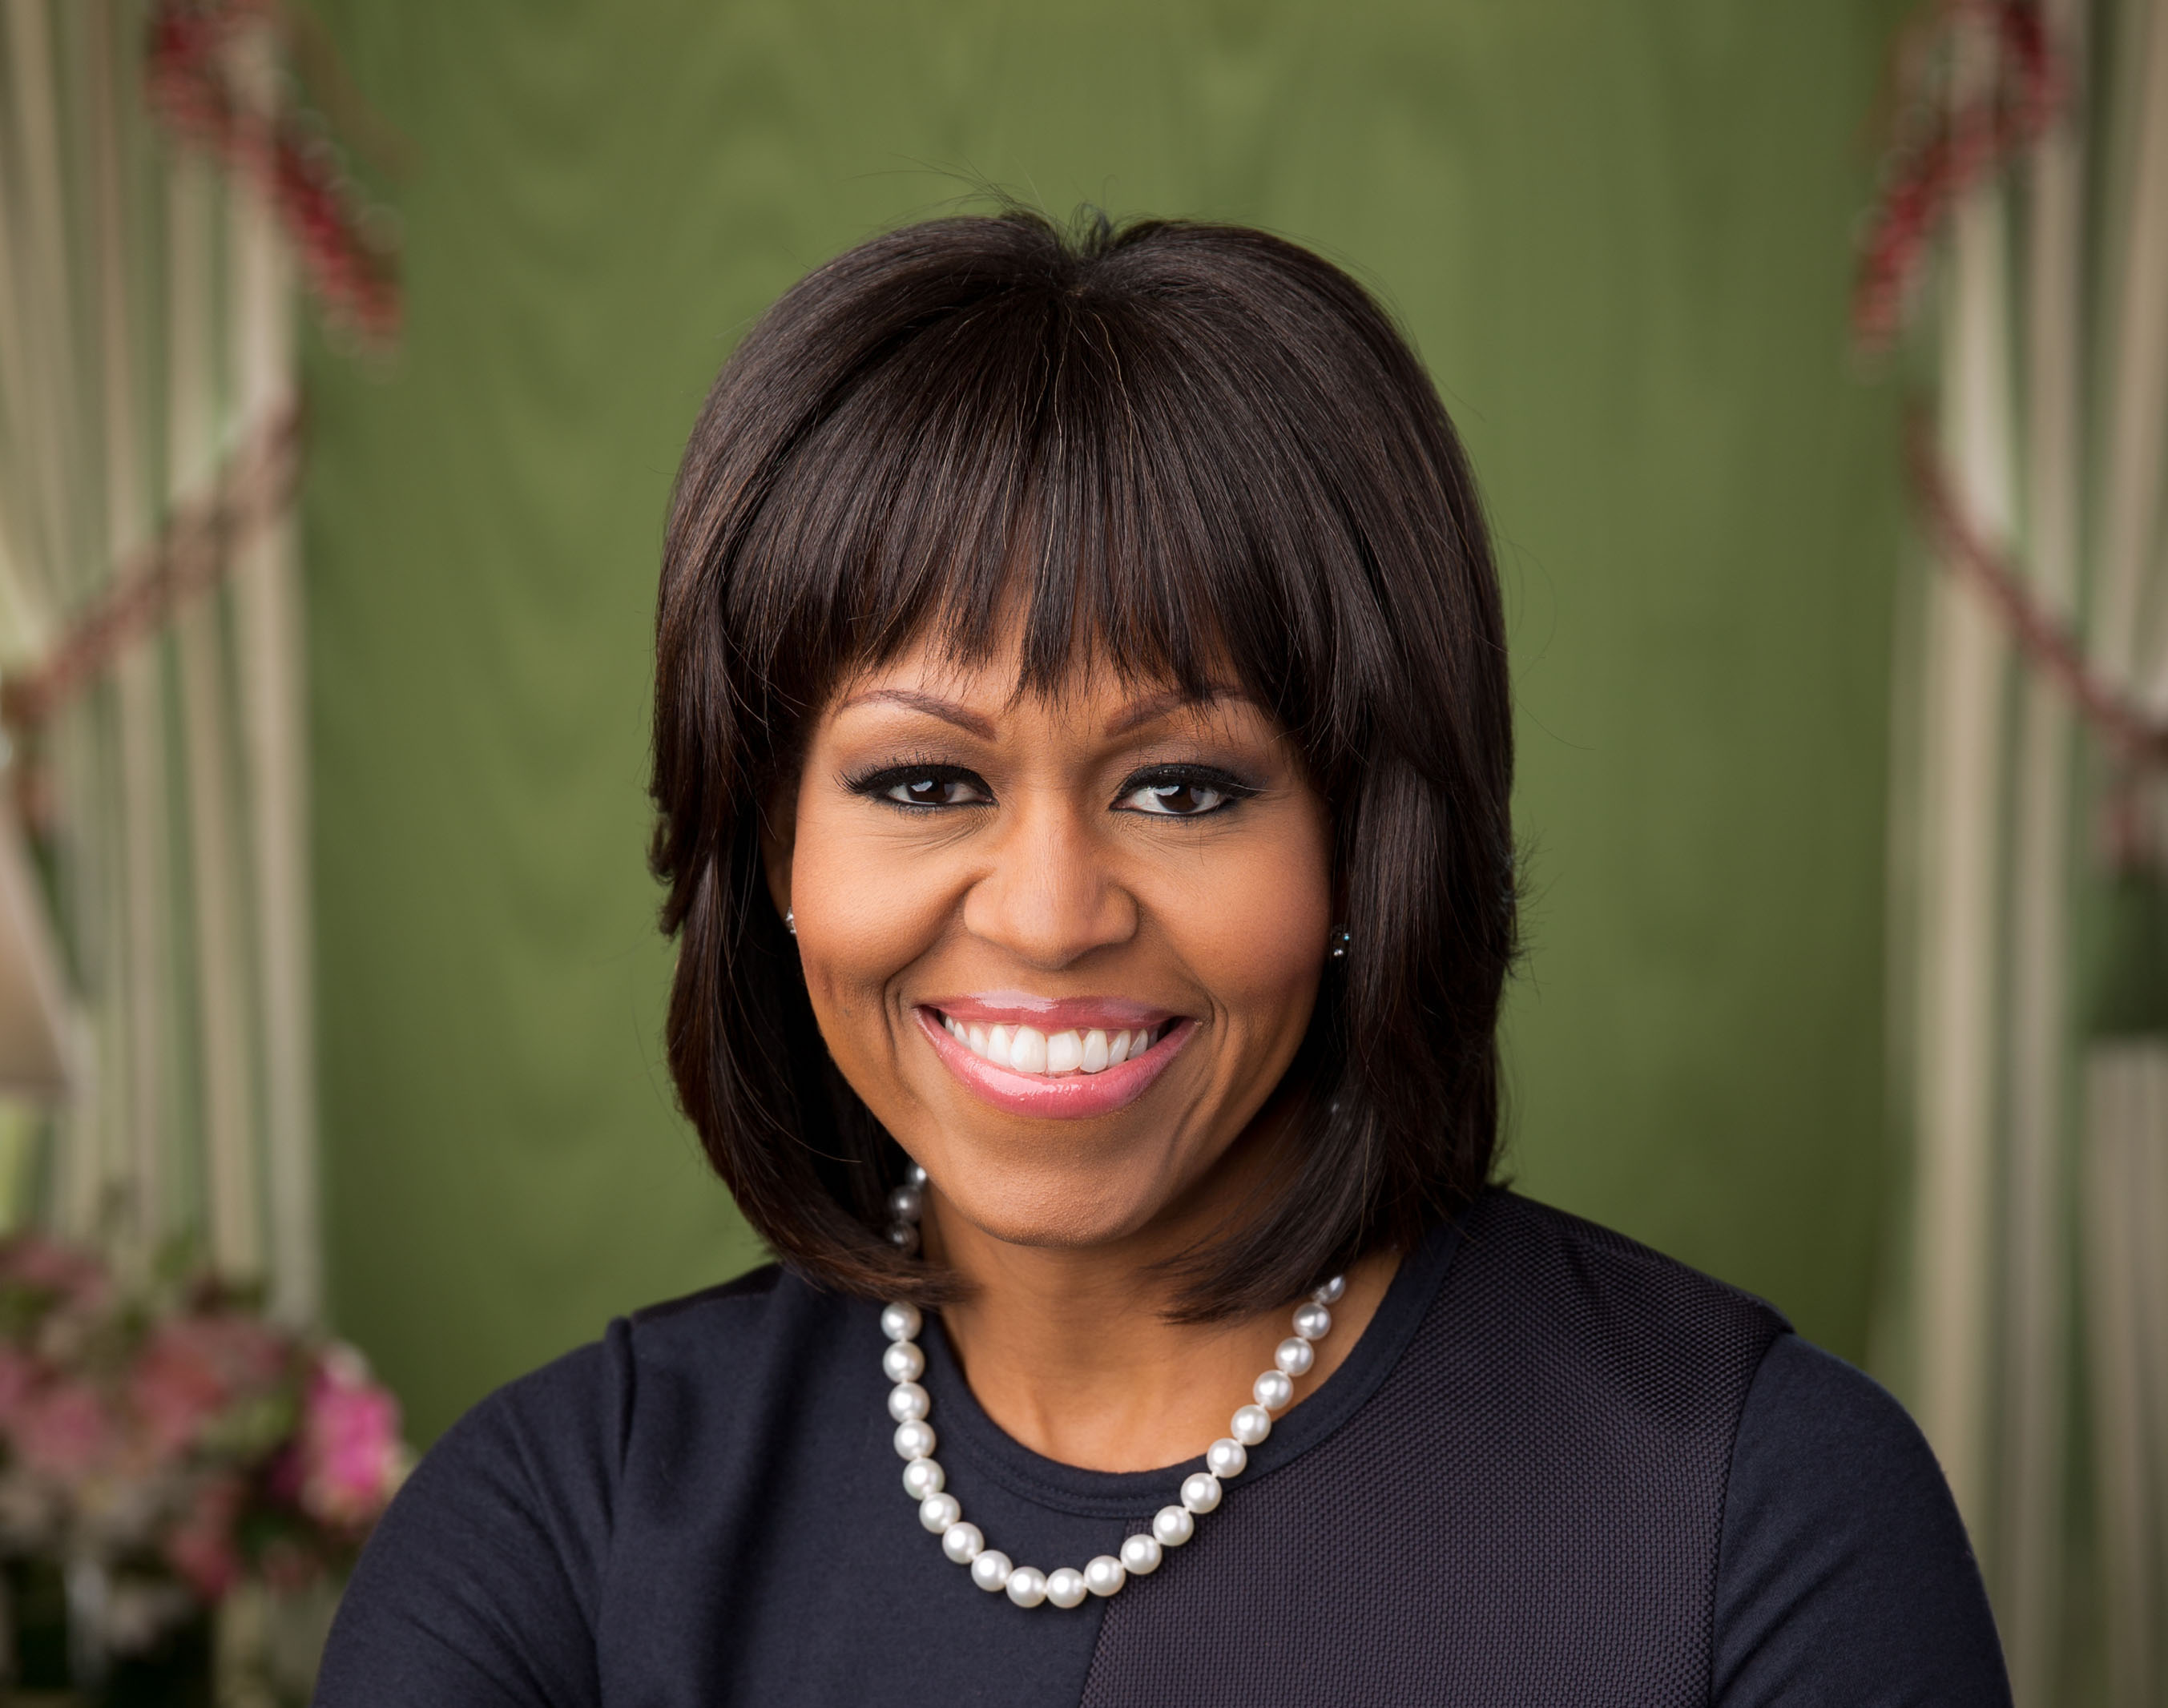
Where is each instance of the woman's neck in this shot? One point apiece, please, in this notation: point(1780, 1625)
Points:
point(1070, 1351)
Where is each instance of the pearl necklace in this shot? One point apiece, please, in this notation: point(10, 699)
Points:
point(908, 1403)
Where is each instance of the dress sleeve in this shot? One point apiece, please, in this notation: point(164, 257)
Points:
point(479, 1588)
point(1845, 1576)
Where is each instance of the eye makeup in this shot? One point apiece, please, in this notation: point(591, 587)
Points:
point(920, 786)
point(1167, 790)
point(1158, 791)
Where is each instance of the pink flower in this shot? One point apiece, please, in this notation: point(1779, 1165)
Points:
point(30, 1259)
point(65, 1431)
point(19, 1374)
point(351, 1455)
point(201, 1547)
point(193, 1369)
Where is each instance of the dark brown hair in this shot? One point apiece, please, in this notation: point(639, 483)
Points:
point(1188, 448)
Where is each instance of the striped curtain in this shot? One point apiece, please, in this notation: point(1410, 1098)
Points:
point(2030, 843)
point(150, 658)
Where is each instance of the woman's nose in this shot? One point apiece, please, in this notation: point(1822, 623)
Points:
point(1049, 897)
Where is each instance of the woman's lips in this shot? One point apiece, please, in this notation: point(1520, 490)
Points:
point(1050, 1014)
point(1071, 1091)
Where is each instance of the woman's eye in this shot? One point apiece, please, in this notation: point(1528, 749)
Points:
point(1178, 798)
point(936, 791)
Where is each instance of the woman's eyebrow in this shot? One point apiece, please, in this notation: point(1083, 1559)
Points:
point(1156, 706)
point(1135, 715)
point(947, 711)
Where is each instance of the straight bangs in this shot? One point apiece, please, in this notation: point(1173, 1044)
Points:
point(1122, 485)
point(1197, 455)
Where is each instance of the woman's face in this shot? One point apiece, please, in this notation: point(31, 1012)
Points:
point(1063, 948)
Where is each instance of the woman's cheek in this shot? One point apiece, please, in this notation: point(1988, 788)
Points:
point(866, 909)
point(1255, 932)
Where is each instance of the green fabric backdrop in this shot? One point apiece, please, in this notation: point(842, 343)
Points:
point(1619, 235)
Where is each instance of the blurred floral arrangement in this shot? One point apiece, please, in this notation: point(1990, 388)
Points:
point(170, 1441)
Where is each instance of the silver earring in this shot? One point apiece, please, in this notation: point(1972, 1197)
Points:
point(1341, 939)
point(790, 922)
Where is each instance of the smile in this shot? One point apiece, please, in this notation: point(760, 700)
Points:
point(1050, 1068)
point(1025, 1050)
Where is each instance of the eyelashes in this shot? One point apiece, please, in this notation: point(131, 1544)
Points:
point(923, 788)
point(1156, 791)
point(1182, 792)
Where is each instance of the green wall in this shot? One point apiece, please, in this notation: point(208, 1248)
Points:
point(1619, 235)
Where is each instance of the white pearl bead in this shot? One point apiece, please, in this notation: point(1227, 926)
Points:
point(1173, 1526)
point(904, 1237)
point(1140, 1554)
point(1294, 1356)
point(1064, 1588)
point(1312, 1321)
point(963, 1542)
point(907, 1403)
point(1251, 1426)
point(922, 1477)
point(1104, 1575)
point(903, 1362)
point(1226, 1457)
point(906, 1203)
point(1200, 1492)
point(1332, 1292)
point(1027, 1585)
point(990, 1570)
point(915, 1176)
point(939, 1513)
point(1273, 1390)
point(915, 1439)
point(901, 1322)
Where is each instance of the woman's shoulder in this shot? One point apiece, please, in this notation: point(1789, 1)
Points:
point(1557, 1253)
point(1837, 1518)
point(493, 1558)
point(1824, 1502)
point(719, 1341)
point(1588, 1308)
point(1795, 1490)
point(1606, 1304)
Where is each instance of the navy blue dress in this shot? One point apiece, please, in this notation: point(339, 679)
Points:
point(1556, 1469)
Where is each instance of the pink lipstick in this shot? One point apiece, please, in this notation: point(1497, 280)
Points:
point(1054, 1057)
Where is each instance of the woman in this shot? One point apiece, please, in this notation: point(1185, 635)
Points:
point(1083, 754)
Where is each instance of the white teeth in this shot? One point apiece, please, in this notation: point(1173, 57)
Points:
point(1024, 1049)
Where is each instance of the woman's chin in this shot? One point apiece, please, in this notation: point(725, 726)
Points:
point(1027, 1208)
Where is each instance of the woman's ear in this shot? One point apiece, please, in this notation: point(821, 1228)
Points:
point(779, 837)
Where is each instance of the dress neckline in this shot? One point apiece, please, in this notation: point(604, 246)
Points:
point(969, 1437)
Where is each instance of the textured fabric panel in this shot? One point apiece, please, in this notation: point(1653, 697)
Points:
point(1529, 1510)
